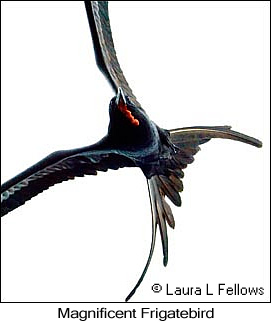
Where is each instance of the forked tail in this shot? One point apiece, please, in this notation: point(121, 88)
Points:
point(187, 141)
point(154, 226)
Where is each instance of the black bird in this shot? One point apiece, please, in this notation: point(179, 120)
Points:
point(133, 140)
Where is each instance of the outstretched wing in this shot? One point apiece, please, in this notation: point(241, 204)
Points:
point(58, 167)
point(106, 57)
point(187, 142)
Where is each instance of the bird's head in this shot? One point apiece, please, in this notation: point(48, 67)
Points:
point(122, 110)
point(129, 127)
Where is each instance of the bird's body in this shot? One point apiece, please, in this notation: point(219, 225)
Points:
point(133, 140)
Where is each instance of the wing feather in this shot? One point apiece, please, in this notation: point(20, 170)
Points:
point(56, 168)
point(187, 142)
point(106, 57)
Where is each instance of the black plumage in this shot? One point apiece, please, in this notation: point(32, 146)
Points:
point(133, 140)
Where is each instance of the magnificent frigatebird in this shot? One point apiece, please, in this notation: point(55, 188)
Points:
point(133, 140)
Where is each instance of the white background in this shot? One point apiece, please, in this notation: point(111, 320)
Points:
point(189, 64)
